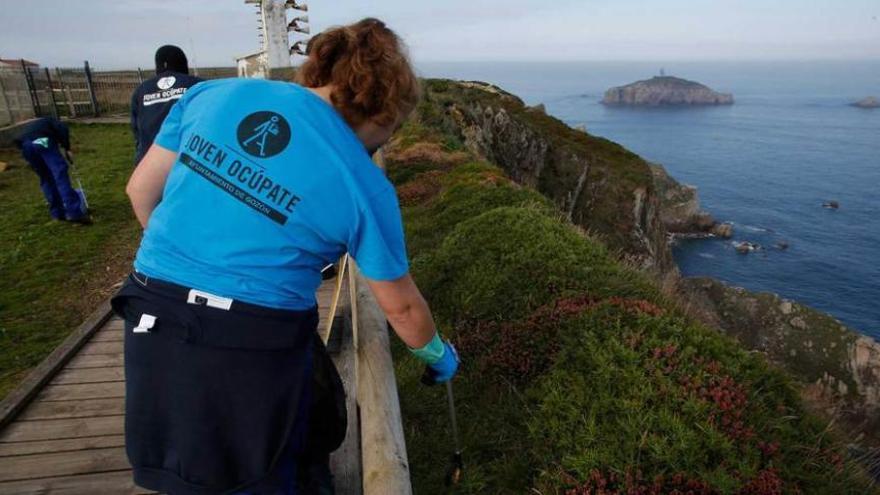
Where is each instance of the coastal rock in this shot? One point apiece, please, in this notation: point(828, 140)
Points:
point(598, 184)
point(839, 368)
point(868, 102)
point(539, 108)
point(723, 230)
point(746, 247)
point(665, 90)
point(680, 205)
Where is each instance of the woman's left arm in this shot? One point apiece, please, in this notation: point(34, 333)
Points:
point(146, 184)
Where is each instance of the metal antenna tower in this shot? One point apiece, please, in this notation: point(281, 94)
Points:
point(280, 39)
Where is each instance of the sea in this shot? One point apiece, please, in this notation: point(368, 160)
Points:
point(766, 164)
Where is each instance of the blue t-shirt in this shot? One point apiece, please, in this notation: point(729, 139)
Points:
point(269, 186)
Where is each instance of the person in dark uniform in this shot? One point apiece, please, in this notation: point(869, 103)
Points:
point(250, 189)
point(40, 142)
point(153, 99)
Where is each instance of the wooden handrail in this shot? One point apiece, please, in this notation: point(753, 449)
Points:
point(383, 447)
point(374, 449)
point(372, 460)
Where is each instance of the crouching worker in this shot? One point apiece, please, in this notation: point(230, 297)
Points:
point(40, 141)
point(250, 189)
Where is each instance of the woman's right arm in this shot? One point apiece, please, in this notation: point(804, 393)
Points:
point(145, 187)
point(409, 315)
point(405, 309)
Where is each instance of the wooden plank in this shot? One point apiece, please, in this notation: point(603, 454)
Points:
point(95, 361)
point(73, 409)
point(383, 447)
point(345, 462)
point(101, 348)
point(28, 431)
point(108, 336)
point(64, 445)
point(81, 391)
point(67, 96)
point(115, 323)
point(42, 374)
point(328, 314)
point(26, 467)
point(115, 483)
point(89, 375)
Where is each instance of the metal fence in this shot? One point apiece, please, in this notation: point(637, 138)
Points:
point(27, 92)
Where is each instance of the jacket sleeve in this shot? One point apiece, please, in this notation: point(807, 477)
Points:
point(135, 100)
point(62, 133)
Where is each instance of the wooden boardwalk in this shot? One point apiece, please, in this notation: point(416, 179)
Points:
point(68, 437)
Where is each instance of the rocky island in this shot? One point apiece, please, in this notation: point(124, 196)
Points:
point(663, 91)
point(868, 102)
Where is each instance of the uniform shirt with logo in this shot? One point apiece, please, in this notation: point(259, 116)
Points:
point(270, 185)
point(150, 104)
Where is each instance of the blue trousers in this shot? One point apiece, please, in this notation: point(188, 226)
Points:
point(51, 167)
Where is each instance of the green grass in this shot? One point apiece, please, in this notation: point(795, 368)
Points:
point(577, 372)
point(54, 273)
point(616, 171)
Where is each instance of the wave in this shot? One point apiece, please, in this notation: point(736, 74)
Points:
point(752, 228)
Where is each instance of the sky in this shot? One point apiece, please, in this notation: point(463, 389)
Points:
point(125, 33)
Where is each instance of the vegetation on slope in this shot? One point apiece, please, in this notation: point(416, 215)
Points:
point(54, 273)
point(594, 181)
point(579, 376)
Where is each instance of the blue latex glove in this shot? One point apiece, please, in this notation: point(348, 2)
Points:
point(443, 370)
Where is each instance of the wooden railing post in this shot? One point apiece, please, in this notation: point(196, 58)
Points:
point(52, 93)
point(383, 447)
point(32, 89)
point(90, 85)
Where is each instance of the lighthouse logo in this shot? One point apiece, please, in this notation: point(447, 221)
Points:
point(263, 134)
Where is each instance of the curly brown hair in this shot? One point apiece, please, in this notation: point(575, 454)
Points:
point(367, 65)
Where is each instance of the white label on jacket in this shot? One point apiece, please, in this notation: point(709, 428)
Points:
point(208, 299)
point(147, 322)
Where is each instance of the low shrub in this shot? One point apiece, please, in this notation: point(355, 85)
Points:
point(578, 377)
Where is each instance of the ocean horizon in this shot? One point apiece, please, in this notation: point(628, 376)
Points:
point(790, 142)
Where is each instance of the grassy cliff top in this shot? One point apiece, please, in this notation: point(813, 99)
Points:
point(578, 375)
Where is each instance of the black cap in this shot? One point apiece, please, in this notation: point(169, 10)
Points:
point(170, 57)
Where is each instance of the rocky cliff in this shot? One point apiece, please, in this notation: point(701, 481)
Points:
point(599, 185)
point(632, 206)
point(665, 90)
point(582, 374)
point(839, 368)
point(680, 209)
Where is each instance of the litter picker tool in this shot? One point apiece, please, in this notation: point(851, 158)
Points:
point(456, 464)
point(80, 191)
